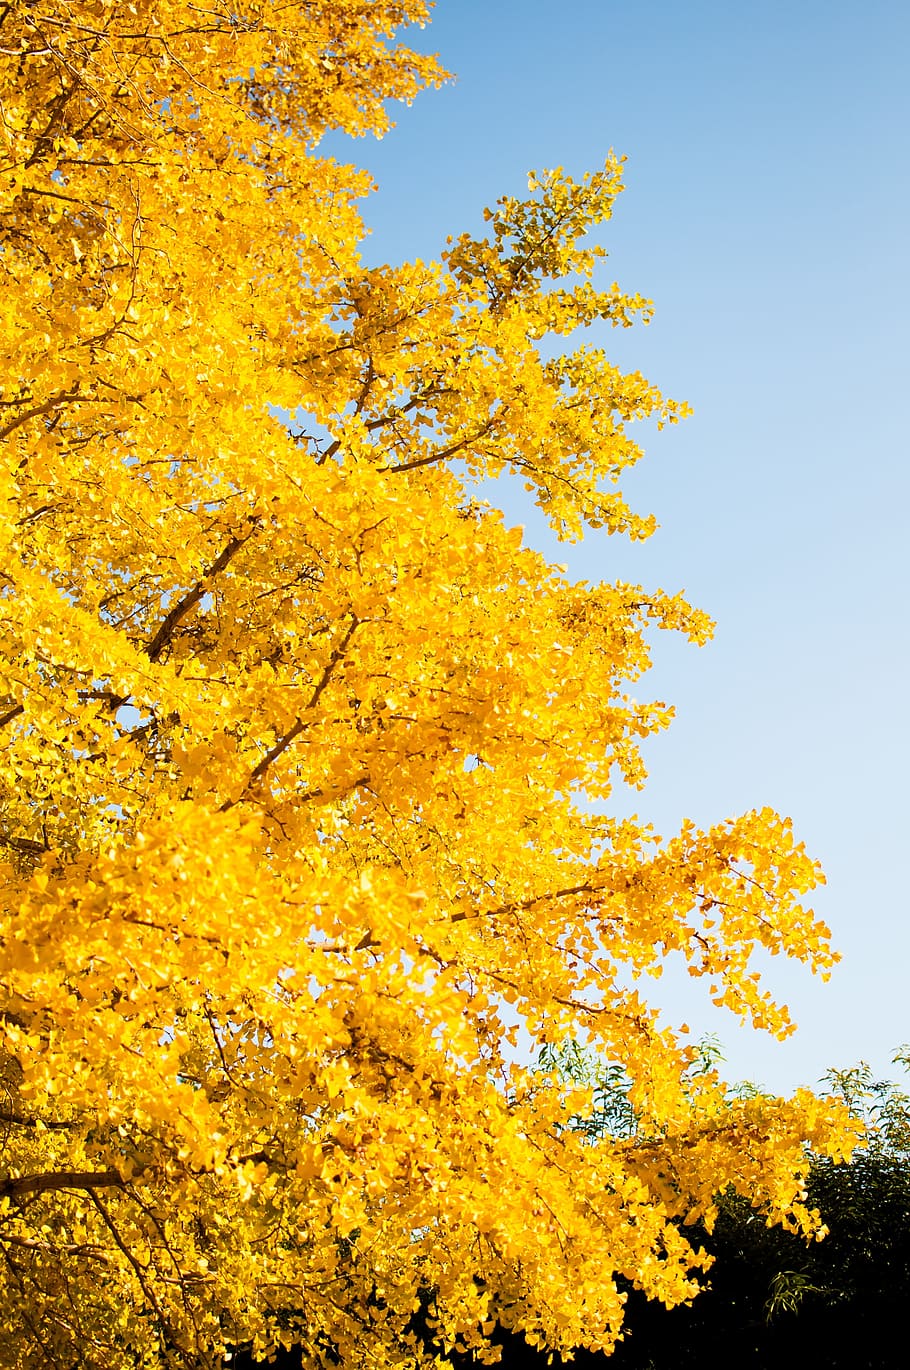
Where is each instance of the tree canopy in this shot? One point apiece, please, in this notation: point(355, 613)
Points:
point(307, 756)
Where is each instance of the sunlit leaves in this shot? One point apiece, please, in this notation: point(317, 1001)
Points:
point(300, 737)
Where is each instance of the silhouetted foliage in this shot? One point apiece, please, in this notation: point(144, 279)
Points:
point(770, 1299)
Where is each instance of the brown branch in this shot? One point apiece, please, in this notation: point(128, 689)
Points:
point(36, 513)
point(367, 385)
point(525, 905)
point(138, 1270)
point(43, 140)
point(20, 1120)
point(28, 845)
point(60, 1179)
point(87, 1249)
point(442, 455)
point(382, 421)
point(53, 403)
point(192, 597)
point(300, 723)
point(10, 714)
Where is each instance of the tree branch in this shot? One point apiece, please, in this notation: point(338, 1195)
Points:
point(300, 723)
point(53, 403)
point(28, 845)
point(20, 1120)
point(88, 1250)
point(60, 1179)
point(139, 1272)
point(192, 597)
point(442, 455)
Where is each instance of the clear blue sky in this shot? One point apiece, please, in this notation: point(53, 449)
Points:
point(766, 215)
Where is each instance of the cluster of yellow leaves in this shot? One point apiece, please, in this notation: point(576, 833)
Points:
point(294, 733)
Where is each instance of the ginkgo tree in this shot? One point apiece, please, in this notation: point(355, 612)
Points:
point(306, 755)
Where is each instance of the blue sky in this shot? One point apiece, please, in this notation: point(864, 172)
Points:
point(766, 215)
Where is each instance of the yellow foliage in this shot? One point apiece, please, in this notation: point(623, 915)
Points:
point(298, 735)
